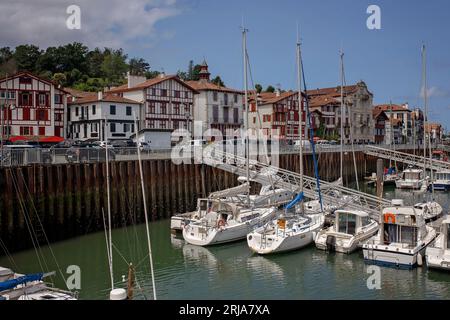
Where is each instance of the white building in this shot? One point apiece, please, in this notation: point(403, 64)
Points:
point(167, 101)
point(32, 107)
point(88, 116)
point(217, 107)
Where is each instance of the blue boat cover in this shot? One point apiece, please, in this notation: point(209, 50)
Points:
point(10, 284)
point(297, 199)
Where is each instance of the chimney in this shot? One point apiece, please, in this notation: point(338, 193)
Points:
point(134, 80)
point(100, 95)
point(277, 92)
point(162, 75)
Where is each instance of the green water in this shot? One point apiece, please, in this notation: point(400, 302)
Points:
point(230, 271)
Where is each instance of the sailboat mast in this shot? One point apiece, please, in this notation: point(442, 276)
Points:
point(300, 107)
point(425, 112)
point(108, 206)
point(425, 98)
point(247, 155)
point(342, 116)
point(149, 245)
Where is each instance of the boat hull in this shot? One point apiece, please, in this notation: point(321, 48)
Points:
point(342, 243)
point(199, 235)
point(272, 244)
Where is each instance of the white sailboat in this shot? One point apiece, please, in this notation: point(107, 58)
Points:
point(402, 238)
point(228, 221)
point(295, 231)
point(438, 254)
point(14, 286)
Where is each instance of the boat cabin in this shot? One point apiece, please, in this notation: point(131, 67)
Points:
point(412, 174)
point(446, 232)
point(350, 222)
point(443, 175)
point(402, 225)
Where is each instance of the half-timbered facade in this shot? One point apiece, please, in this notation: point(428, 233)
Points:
point(276, 113)
point(167, 102)
point(32, 107)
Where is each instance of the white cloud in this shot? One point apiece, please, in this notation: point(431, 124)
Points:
point(111, 23)
point(434, 92)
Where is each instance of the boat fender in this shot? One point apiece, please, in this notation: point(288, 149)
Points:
point(419, 259)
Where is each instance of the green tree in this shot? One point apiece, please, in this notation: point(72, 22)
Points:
point(26, 57)
point(94, 60)
point(183, 75)
point(190, 71)
point(114, 67)
point(59, 78)
point(152, 74)
point(138, 66)
point(196, 72)
point(270, 89)
point(258, 88)
point(5, 54)
point(218, 81)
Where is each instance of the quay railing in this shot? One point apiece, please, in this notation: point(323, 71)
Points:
point(11, 157)
point(406, 158)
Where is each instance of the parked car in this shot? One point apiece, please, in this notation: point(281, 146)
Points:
point(144, 146)
point(88, 152)
point(102, 144)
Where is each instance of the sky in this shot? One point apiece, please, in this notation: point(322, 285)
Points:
point(169, 33)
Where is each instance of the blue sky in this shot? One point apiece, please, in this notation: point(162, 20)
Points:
point(168, 33)
point(388, 60)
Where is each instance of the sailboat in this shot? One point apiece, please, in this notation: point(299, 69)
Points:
point(228, 221)
point(121, 293)
point(14, 286)
point(430, 208)
point(268, 196)
point(292, 230)
point(350, 227)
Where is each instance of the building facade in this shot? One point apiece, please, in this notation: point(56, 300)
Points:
point(276, 114)
point(217, 107)
point(32, 107)
point(381, 121)
point(167, 101)
point(404, 120)
point(101, 117)
point(358, 114)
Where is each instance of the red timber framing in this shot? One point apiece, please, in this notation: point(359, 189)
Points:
point(33, 105)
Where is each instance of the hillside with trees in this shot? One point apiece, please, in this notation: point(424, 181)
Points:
point(75, 65)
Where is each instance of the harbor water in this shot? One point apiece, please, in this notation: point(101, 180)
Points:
point(228, 271)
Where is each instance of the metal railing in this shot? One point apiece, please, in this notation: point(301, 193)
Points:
point(406, 158)
point(281, 178)
point(27, 156)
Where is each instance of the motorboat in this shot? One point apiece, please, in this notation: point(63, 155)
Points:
point(437, 254)
point(411, 178)
point(350, 229)
point(442, 180)
point(402, 238)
